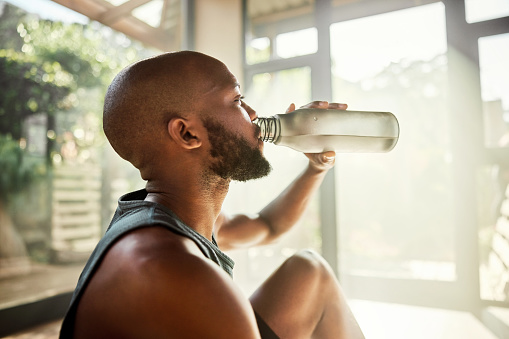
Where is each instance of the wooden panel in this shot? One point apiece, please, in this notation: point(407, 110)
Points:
point(76, 211)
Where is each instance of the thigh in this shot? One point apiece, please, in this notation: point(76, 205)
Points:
point(291, 300)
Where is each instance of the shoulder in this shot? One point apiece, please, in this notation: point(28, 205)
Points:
point(158, 284)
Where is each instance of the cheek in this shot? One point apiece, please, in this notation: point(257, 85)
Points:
point(239, 122)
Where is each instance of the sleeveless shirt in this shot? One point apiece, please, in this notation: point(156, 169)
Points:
point(134, 213)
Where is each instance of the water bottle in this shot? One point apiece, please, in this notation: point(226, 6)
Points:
point(312, 130)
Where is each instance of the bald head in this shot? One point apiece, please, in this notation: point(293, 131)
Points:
point(144, 96)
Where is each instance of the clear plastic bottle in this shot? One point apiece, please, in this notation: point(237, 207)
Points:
point(312, 130)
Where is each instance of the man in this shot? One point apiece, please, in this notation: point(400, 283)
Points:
point(158, 272)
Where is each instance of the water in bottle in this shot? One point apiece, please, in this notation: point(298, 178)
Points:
point(313, 130)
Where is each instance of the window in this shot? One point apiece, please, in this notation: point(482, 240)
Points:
point(292, 44)
point(394, 209)
point(54, 75)
point(481, 10)
point(279, 30)
point(493, 179)
point(494, 67)
point(258, 50)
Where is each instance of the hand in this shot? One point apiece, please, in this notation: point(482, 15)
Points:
point(321, 161)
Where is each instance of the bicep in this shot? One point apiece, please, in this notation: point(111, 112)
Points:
point(240, 231)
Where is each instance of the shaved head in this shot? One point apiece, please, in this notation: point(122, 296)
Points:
point(144, 96)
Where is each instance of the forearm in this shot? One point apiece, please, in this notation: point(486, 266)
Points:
point(286, 210)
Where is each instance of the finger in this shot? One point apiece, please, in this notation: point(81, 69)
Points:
point(322, 160)
point(291, 108)
point(317, 104)
point(335, 105)
point(328, 157)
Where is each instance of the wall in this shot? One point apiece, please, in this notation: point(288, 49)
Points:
point(218, 32)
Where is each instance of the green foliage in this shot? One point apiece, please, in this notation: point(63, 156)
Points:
point(59, 70)
point(67, 44)
point(89, 52)
point(29, 86)
point(10, 18)
point(16, 170)
point(49, 67)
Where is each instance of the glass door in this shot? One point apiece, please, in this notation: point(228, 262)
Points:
point(395, 210)
point(493, 184)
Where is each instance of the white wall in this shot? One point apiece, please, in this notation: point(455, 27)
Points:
point(218, 32)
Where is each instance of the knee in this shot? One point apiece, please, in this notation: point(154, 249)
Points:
point(312, 264)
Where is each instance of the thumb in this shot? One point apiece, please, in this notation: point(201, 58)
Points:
point(291, 108)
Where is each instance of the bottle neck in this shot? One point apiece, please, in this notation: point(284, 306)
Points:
point(270, 128)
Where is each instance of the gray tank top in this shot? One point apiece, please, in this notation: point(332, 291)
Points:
point(134, 213)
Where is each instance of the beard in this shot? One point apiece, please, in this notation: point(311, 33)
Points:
point(234, 158)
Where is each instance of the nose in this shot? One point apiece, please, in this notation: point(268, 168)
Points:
point(251, 112)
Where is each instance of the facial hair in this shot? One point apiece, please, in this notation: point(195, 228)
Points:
point(234, 158)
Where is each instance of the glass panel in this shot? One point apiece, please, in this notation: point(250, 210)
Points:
point(269, 94)
point(258, 50)
point(481, 10)
point(395, 209)
point(48, 10)
point(273, 27)
point(289, 45)
point(58, 181)
point(494, 68)
point(493, 184)
point(493, 188)
point(150, 12)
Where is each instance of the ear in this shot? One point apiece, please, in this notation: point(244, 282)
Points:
point(185, 133)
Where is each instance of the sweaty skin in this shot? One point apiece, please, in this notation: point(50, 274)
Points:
point(154, 283)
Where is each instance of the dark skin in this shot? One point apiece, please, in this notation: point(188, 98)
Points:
point(153, 283)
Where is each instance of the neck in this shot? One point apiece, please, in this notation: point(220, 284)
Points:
point(195, 200)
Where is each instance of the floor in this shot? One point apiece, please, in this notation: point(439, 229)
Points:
point(43, 281)
point(378, 321)
point(46, 331)
point(381, 321)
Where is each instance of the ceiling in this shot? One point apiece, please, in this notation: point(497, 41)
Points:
point(157, 23)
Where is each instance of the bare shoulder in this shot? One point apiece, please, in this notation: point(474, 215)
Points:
point(154, 283)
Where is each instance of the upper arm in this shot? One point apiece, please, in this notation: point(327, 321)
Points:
point(242, 231)
point(147, 287)
point(196, 299)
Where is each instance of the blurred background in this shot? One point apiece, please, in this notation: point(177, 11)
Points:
point(418, 237)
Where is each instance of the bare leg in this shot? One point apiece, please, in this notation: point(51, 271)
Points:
point(303, 299)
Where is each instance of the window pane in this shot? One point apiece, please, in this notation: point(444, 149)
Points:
point(275, 29)
point(258, 50)
point(493, 188)
point(481, 10)
point(58, 182)
point(494, 68)
point(395, 209)
point(269, 94)
point(297, 43)
point(494, 178)
point(151, 13)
